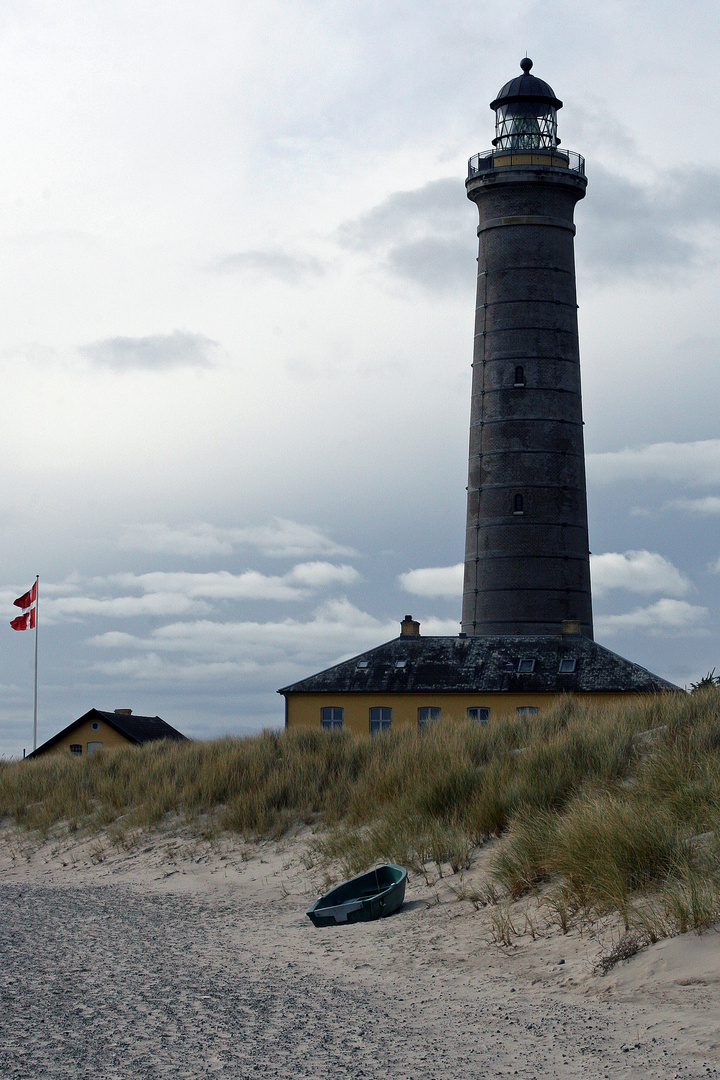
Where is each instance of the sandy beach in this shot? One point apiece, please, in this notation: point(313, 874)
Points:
point(183, 958)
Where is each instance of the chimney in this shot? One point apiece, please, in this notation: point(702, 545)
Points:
point(409, 627)
point(123, 712)
point(570, 628)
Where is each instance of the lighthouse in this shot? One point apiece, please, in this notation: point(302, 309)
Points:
point(526, 641)
point(527, 568)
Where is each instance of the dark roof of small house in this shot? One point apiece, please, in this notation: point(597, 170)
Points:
point(136, 729)
point(484, 664)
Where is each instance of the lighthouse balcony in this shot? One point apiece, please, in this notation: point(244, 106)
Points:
point(504, 158)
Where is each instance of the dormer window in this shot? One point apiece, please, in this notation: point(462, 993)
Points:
point(567, 665)
point(526, 666)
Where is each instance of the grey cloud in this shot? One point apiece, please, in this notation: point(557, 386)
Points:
point(435, 262)
point(669, 462)
point(279, 538)
point(665, 616)
point(632, 228)
point(152, 353)
point(423, 235)
point(278, 264)
point(436, 207)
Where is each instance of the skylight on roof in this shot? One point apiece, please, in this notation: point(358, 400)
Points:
point(567, 665)
point(526, 666)
point(400, 663)
point(363, 663)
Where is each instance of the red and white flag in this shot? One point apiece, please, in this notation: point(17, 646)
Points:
point(27, 619)
point(27, 598)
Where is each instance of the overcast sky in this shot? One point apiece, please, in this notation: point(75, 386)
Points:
point(236, 318)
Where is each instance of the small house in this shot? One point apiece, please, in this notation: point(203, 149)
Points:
point(100, 730)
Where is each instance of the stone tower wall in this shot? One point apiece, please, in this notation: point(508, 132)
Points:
point(526, 572)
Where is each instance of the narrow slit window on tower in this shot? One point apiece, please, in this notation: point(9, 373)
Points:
point(518, 505)
point(519, 376)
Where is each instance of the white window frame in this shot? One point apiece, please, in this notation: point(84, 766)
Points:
point(380, 718)
point(329, 719)
point(431, 713)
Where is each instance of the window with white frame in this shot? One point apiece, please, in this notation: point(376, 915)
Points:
point(380, 719)
point(331, 717)
point(527, 710)
point(428, 713)
point(479, 713)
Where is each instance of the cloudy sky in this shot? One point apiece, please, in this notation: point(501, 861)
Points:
point(236, 319)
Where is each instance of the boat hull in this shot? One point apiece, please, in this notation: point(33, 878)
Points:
point(371, 895)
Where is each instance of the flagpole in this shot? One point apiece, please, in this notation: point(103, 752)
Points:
point(37, 621)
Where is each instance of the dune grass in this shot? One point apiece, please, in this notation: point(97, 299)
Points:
point(601, 805)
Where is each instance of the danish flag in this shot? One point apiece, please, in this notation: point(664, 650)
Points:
point(27, 619)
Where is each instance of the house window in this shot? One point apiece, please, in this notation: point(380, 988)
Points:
point(76, 748)
point(93, 747)
point(526, 666)
point(519, 376)
point(479, 713)
point(567, 665)
point(518, 505)
point(526, 710)
point(380, 719)
point(428, 713)
point(331, 717)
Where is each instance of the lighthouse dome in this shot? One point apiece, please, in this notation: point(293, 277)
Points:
point(526, 112)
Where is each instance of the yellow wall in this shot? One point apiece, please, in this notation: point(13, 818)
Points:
point(84, 734)
point(303, 710)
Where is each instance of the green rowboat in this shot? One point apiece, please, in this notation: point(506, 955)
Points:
point(371, 895)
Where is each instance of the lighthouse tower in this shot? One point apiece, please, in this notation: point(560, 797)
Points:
point(527, 633)
point(527, 566)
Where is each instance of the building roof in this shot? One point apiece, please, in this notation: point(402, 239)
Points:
point(484, 664)
point(136, 729)
point(526, 87)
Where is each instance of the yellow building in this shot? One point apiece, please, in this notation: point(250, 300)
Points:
point(413, 680)
point(98, 730)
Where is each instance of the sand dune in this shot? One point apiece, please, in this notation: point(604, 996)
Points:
point(180, 958)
